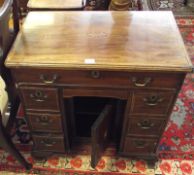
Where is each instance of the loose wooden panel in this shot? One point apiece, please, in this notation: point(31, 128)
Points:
point(49, 143)
point(100, 40)
point(139, 145)
point(151, 102)
point(145, 126)
point(55, 4)
point(98, 78)
point(45, 122)
point(36, 98)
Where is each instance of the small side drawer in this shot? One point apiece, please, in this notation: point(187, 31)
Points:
point(36, 98)
point(145, 126)
point(45, 122)
point(139, 145)
point(152, 102)
point(49, 143)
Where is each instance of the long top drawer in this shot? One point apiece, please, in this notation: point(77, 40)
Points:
point(98, 78)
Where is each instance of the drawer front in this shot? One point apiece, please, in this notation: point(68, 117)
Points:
point(139, 145)
point(96, 92)
point(49, 143)
point(45, 122)
point(40, 98)
point(144, 126)
point(151, 102)
point(100, 78)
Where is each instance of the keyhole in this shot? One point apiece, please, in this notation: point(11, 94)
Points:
point(95, 74)
point(153, 98)
point(44, 118)
point(38, 94)
point(145, 122)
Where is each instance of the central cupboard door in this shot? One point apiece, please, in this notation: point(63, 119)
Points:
point(100, 133)
point(100, 129)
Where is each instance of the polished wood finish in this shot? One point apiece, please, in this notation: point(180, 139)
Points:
point(68, 66)
point(104, 78)
point(56, 4)
point(49, 143)
point(139, 145)
point(155, 102)
point(45, 122)
point(40, 98)
point(145, 125)
point(99, 133)
point(98, 92)
point(99, 43)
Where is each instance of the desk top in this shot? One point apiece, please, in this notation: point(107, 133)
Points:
point(128, 41)
point(55, 4)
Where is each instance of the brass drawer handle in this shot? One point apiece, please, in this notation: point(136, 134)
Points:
point(38, 96)
point(48, 143)
point(140, 144)
point(44, 120)
point(46, 80)
point(153, 100)
point(95, 74)
point(145, 124)
point(145, 82)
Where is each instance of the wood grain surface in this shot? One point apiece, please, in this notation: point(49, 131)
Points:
point(148, 41)
point(55, 4)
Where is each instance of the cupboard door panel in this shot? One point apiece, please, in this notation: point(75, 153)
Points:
point(100, 134)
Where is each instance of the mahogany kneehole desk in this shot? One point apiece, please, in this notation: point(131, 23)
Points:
point(98, 78)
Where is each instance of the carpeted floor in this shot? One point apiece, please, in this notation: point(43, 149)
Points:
point(179, 134)
point(80, 165)
point(177, 6)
